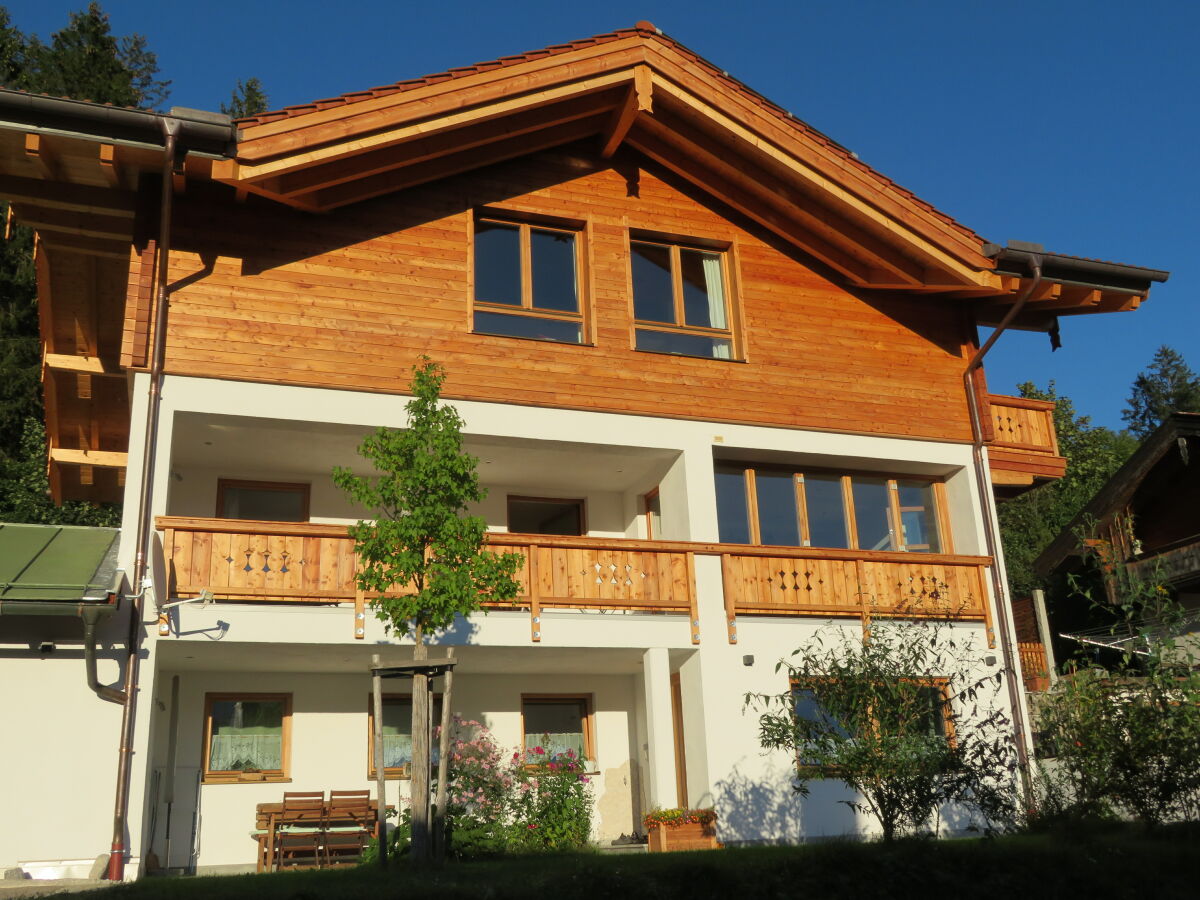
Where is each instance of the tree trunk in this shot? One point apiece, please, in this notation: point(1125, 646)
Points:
point(420, 756)
point(443, 789)
point(380, 780)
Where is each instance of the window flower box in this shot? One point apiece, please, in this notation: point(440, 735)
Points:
point(669, 830)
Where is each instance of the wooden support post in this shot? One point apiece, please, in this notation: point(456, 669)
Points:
point(729, 590)
point(860, 571)
point(535, 605)
point(693, 606)
point(443, 789)
point(420, 756)
point(380, 778)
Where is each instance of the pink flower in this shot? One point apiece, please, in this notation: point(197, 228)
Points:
point(584, 779)
point(539, 751)
point(531, 827)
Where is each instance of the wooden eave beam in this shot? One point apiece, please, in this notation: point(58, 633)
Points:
point(63, 195)
point(111, 166)
point(686, 78)
point(504, 104)
point(425, 149)
point(90, 365)
point(110, 249)
point(342, 122)
point(37, 151)
point(862, 257)
point(749, 205)
point(638, 99)
point(74, 222)
point(110, 459)
point(444, 167)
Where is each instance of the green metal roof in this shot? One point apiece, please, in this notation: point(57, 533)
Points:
point(53, 565)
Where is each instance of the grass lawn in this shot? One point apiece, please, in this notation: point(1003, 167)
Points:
point(1120, 864)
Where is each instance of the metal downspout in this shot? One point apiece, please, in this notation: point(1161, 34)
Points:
point(145, 534)
point(983, 484)
point(91, 616)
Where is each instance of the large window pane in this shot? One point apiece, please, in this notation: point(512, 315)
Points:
point(497, 263)
point(538, 329)
point(777, 520)
point(733, 522)
point(554, 278)
point(826, 511)
point(247, 736)
point(535, 516)
point(684, 344)
point(871, 513)
point(397, 733)
point(703, 289)
point(652, 291)
point(917, 516)
point(264, 502)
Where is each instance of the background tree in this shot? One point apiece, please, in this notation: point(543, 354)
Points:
point(884, 716)
point(248, 99)
point(1167, 386)
point(84, 61)
point(1029, 523)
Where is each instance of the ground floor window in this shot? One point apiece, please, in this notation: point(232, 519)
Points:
point(553, 724)
point(397, 735)
point(247, 737)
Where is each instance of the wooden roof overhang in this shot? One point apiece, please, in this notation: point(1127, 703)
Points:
point(641, 89)
point(85, 177)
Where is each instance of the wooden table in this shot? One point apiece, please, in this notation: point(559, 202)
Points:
point(265, 818)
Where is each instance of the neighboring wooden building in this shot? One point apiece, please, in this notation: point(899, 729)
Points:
point(1148, 512)
point(719, 374)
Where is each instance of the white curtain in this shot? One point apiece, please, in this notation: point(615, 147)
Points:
point(714, 285)
point(239, 752)
point(397, 750)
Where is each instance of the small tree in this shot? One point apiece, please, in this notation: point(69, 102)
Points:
point(902, 718)
point(1127, 734)
point(248, 99)
point(420, 559)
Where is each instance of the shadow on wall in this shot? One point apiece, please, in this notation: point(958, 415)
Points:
point(767, 809)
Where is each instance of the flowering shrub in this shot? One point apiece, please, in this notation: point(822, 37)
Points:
point(673, 818)
point(497, 804)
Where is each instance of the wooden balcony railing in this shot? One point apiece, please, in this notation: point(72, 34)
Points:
point(1033, 665)
point(1022, 445)
point(283, 562)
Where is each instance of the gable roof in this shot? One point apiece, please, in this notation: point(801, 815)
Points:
point(641, 28)
point(634, 87)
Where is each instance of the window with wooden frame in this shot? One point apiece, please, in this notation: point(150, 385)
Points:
point(681, 299)
point(247, 737)
point(266, 501)
point(784, 507)
point(528, 280)
point(546, 515)
point(554, 725)
point(925, 710)
point(397, 734)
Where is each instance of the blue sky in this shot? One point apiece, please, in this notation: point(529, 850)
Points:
point(1069, 123)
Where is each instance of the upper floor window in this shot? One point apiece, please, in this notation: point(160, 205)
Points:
point(780, 506)
point(527, 281)
point(265, 501)
point(681, 300)
point(545, 515)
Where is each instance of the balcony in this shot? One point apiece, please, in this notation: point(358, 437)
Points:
point(1022, 444)
point(300, 563)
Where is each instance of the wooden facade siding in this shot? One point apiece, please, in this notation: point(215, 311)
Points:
point(349, 300)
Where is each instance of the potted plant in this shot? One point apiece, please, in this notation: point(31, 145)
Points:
point(681, 829)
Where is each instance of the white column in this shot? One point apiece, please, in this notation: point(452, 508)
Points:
point(660, 736)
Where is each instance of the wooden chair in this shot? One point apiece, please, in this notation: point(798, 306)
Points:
point(300, 829)
point(348, 826)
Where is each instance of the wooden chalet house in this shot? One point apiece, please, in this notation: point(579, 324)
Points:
point(722, 378)
point(1146, 517)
